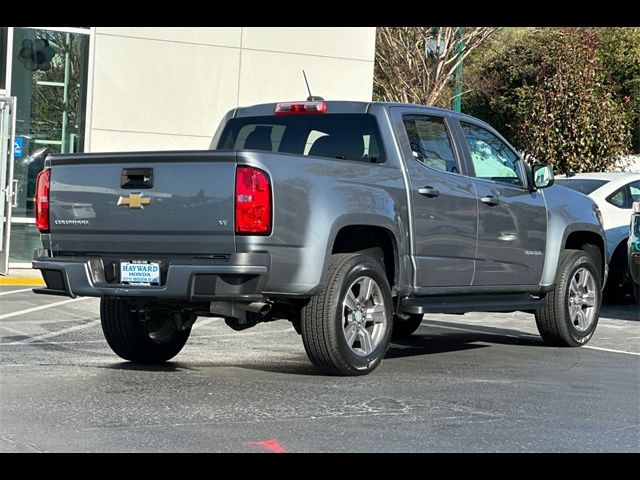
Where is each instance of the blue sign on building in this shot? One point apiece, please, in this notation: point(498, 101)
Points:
point(17, 147)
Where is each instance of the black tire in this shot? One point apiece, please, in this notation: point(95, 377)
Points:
point(153, 341)
point(405, 324)
point(619, 284)
point(554, 319)
point(636, 293)
point(323, 319)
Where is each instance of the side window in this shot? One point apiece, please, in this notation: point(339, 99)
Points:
point(618, 198)
point(492, 159)
point(430, 142)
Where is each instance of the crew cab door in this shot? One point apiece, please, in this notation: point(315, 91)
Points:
point(443, 200)
point(512, 220)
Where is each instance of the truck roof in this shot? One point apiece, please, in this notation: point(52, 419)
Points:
point(343, 106)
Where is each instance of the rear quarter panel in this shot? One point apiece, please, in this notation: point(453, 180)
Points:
point(313, 199)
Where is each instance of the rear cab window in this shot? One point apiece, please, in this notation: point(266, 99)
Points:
point(342, 136)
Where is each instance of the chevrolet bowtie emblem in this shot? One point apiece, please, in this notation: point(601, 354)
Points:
point(134, 200)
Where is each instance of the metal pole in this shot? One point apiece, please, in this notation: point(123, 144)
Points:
point(456, 101)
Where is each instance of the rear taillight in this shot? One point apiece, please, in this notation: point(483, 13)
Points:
point(300, 108)
point(253, 201)
point(42, 200)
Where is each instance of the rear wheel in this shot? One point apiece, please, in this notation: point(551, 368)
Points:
point(154, 340)
point(570, 313)
point(346, 328)
point(405, 324)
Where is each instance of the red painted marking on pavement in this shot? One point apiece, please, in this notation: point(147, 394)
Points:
point(270, 445)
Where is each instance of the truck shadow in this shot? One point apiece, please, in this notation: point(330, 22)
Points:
point(621, 312)
point(280, 366)
point(433, 338)
point(167, 367)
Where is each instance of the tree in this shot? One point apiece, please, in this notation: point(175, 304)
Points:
point(548, 92)
point(415, 64)
point(570, 119)
point(619, 51)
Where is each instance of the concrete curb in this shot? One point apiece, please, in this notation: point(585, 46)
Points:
point(17, 281)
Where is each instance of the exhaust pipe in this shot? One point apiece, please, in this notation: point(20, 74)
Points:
point(256, 307)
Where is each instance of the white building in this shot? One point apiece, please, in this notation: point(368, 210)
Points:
point(118, 89)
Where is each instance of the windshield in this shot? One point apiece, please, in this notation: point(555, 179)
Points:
point(343, 136)
point(581, 185)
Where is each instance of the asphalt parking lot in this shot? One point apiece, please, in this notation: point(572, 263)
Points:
point(463, 383)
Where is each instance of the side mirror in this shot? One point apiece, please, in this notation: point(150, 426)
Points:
point(542, 176)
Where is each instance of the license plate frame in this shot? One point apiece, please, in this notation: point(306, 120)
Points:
point(144, 273)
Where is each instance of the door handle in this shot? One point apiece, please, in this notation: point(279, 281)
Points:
point(136, 178)
point(14, 194)
point(429, 192)
point(490, 200)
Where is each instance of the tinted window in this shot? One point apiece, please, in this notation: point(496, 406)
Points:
point(492, 159)
point(343, 136)
point(580, 184)
point(430, 142)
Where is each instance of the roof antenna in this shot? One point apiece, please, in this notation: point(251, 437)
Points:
point(310, 98)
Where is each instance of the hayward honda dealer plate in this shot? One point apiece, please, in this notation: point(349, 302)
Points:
point(139, 272)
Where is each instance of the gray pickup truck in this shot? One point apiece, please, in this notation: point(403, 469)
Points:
point(349, 219)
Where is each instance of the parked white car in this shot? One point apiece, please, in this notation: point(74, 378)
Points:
point(614, 193)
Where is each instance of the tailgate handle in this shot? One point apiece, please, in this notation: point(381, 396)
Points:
point(136, 178)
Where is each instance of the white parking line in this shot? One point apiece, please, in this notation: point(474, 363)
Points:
point(611, 350)
point(41, 307)
point(65, 342)
point(13, 330)
point(37, 338)
point(15, 291)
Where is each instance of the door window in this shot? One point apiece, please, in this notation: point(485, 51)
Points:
point(492, 159)
point(430, 142)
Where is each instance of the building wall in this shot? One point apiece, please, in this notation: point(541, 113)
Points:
point(167, 88)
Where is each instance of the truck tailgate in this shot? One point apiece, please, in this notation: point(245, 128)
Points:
point(147, 203)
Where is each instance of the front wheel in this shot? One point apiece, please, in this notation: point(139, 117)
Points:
point(154, 340)
point(346, 328)
point(570, 313)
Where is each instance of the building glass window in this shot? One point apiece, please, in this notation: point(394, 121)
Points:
point(49, 79)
